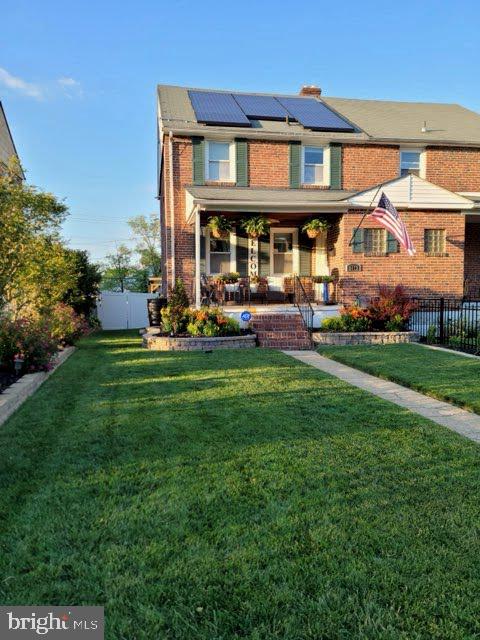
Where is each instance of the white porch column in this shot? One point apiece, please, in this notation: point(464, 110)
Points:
point(198, 298)
point(321, 255)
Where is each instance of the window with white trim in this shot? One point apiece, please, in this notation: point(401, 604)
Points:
point(313, 169)
point(220, 161)
point(375, 241)
point(410, 160)
point(220, 251)
point(434, 241)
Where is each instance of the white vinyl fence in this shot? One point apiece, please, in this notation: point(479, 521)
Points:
point(125, 310)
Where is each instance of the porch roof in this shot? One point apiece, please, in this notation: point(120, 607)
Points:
point(210, 198)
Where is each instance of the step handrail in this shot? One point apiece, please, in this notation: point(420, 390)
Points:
point(302, 302)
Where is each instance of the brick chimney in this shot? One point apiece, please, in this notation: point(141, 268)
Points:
point(310, 90)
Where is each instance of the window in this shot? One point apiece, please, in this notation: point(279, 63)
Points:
point(375, 241)
point(219, 251)
point(220, 161)
point(313, 165)
point(409, 162)
point(434, 241)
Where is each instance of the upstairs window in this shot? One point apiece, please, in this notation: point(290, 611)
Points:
point(434, 241)
point(220, 166)
point(313, 168)
point(409, 162)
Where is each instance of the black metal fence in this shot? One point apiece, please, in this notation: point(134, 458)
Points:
point(453, 323)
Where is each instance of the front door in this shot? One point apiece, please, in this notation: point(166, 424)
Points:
point(283, 251)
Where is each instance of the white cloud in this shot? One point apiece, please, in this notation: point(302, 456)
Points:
point(18, 84)
point(70, 86)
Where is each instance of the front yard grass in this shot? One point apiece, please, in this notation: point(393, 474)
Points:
point(237, 494)
point(445, 376)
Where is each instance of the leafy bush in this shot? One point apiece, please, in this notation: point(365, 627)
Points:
point(390, 311)
point(211, 322)
point(174, 319)
point(65, 325)
point(28, 339)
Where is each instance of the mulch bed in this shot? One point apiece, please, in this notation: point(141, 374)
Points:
point(7, 379)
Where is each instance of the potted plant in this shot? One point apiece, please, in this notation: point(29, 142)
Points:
point(255, 226)
point(219, 226)
point(231, 281)
point(314, 227)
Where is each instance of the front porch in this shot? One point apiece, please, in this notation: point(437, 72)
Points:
point(320, 311)
point(265, 269)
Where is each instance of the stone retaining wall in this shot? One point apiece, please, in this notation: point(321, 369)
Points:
point(165, 343)
point(367, 337)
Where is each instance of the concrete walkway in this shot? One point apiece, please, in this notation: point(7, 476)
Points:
point(463, 422)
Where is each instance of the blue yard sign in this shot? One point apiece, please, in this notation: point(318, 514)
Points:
point(245, 316)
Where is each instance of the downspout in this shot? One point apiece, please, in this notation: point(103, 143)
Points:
point(171, 203)
point(198, 298)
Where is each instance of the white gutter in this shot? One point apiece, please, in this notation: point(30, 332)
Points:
point(171, 204)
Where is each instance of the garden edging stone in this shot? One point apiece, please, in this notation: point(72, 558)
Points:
point(15, 395)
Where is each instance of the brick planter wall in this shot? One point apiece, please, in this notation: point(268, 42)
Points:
point(367, 337)
point(165, 343)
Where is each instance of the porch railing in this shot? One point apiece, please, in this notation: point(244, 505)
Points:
point(303, 304)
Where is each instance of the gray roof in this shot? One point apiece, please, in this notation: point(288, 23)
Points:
point(285, 196)
point(7, 146)
point(385, 120)
point(376, 120)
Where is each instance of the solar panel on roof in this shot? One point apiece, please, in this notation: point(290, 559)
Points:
point(261, 107)
point(313, 114)
point(217, 108)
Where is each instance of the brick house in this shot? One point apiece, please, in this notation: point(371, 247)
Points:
point(7, 146)
point(292, 158)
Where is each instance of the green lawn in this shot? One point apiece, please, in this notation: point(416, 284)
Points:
point(446, 376)
point(236, 495)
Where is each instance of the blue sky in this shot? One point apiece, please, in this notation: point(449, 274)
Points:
point(78, 80)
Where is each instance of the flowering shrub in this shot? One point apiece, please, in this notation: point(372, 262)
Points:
point(211, 322)
point(389, 311)
point(29, 340)
point(66, 325)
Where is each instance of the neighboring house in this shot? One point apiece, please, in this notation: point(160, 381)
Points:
point(292, 158)
point(7, 146)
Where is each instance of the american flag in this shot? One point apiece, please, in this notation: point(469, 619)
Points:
point(387, 215)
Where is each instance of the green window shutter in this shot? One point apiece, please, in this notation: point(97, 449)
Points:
point(295, 151)
point(203, 241)
point(264, 256)
point(392, 243)
point(198, 160)
point(241, 153)
point(357, 245)
point(335, 166)
point(305, 250)
point(242, 255)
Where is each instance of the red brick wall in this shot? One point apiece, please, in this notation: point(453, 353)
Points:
point(422, 275)
point(472, 259)
point(184, 233)
point(268, 163)
point(455, 169)
point(366, 165)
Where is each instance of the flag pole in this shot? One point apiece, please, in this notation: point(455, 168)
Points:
point(367, 212)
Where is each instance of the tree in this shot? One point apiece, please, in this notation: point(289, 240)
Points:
point(117, 268)
point(28, 217)
point(82, 295)
point(147, 234)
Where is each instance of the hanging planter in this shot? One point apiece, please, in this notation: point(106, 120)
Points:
point(219, 226)
point(256, 226)
point(314, 227)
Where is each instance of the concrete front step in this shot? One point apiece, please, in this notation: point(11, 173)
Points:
point(281, 331)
